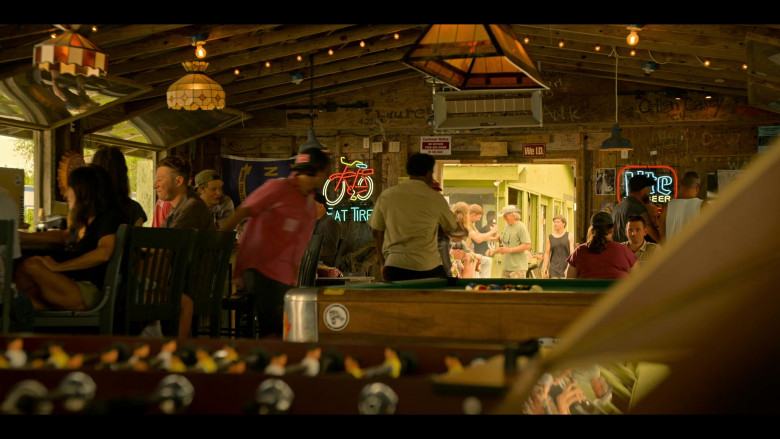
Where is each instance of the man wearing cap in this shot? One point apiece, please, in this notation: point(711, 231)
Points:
point(329, 229)
point(600, 257)
point(514, 243)
point(209, 185)
point(281, 215)
point(635, 204)
point(405, 221)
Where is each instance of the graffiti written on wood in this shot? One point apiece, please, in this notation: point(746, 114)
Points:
point(677, 110)
point(562, 113)
point(378, 117)
point(555, 83)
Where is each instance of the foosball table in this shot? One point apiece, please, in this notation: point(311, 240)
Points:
point(86, 374)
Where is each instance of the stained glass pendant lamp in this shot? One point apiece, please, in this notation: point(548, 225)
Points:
point(195, 91)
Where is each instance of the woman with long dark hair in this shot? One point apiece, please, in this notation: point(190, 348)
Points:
point(600, 257)
point(73, 280)
point(112, 160)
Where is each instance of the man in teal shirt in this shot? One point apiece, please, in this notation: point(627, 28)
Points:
point(515, 241)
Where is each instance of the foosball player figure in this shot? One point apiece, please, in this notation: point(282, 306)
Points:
point(163, 358)
point(453, 364)
point(352, 366)
point(14, 353)
point(258, 358)
point(113, 357)
point(139, 360)
point(53, 356)
point(227, 359)
point(310, 365)
point(204, 362)
point(390, 367)
point(276, 366)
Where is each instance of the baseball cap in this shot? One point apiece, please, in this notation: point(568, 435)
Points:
point(639, 182)
point(601, 219)
point(206, 176)
point(509, 209)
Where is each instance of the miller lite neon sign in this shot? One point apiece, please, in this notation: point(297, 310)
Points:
point(665, 178)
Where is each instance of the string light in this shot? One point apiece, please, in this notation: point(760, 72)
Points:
point(94, 28)
point(299, 58)
point(526, 40)
point(744, 66)
point(706, 62)
point(53, 35)
point(560, 43)
point(362, 43)
point(268, 63)
point(633, 52)
point(236, 72)
point(330, 51)
point(396, 36)
point(598, 47)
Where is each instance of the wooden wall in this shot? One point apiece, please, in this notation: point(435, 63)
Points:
point(692, 133)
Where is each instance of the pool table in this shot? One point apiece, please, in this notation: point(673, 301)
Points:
point(439, 309)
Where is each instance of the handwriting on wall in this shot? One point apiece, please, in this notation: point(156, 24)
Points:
point(377, 117)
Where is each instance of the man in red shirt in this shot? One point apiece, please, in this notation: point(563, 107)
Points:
point(281, 216)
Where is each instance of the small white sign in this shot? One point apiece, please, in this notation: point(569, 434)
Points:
point(436, 145)
point(376, 147)
point(395, 146)
point(336, 317)
point(366, 143)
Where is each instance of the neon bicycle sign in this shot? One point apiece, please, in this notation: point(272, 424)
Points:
point(356, 184)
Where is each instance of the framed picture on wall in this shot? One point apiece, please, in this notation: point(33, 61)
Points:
point(605, 181)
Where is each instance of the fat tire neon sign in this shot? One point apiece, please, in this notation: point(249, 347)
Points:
point(356, 185)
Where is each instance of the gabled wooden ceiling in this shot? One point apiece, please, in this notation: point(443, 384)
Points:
point(152, 54)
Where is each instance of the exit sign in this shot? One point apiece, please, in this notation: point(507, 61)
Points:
point(534, 150)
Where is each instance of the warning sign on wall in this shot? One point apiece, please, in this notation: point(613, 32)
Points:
point(436, 145)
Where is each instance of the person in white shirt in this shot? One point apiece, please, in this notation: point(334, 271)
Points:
point(679, 211)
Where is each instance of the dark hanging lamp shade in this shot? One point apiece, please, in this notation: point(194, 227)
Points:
point(474, 57)
point(311, 142)
point(617, 142)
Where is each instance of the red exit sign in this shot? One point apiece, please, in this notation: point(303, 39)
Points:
point(534, 150)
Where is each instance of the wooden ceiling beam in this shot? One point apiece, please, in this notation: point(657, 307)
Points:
point(262, 54)
point(221, 48)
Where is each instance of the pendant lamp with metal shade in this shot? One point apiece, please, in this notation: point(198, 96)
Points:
point(617, 142)
point(311, 140)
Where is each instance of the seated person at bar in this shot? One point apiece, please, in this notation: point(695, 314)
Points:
point(112, 160)
point(405, 223)
point(188, 212)
point(329, 228)
point(73, 280)
point(600, 257)
point(209, 185)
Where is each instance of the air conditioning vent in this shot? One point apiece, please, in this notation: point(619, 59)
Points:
point(493, 109)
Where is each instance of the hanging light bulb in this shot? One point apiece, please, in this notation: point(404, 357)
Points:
point(560, 43)
point(706, 62)
point(633, 52)
point(362, 43)
point(198, 41)
point(633, 38)
point(330, 51)
point(597, 48)
point(526, 40)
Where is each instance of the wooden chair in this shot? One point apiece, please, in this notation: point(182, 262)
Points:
point(307, 270)
point(100, 317)
point(156, 267)
point(6, 256)
point(206, 277)
point(243, 304)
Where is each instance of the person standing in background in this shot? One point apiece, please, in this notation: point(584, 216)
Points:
point(560, 244)
point(515, 241)
point(281, 215)
point(635, 203)
point(405, 222)
point(679, 211)
point(490, 221)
